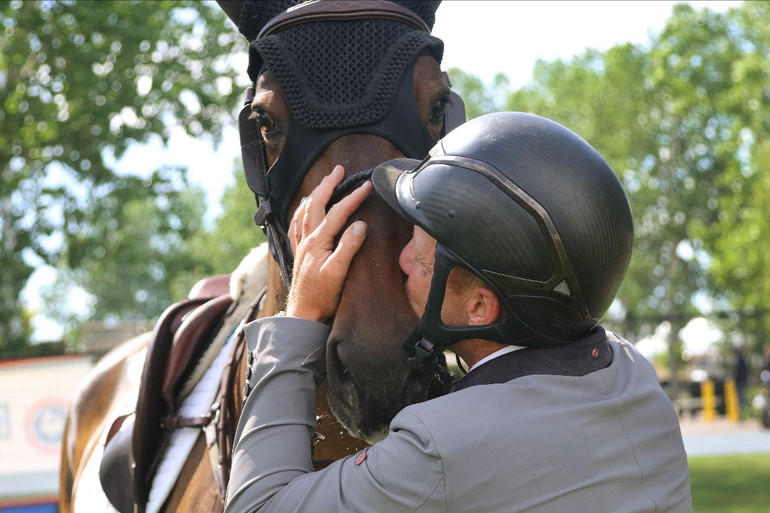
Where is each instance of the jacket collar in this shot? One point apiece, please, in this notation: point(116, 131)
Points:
point(574, 359)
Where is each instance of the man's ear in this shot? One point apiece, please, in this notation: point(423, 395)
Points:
point(483, 307)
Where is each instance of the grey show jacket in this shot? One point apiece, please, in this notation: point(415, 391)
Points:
point(605, 441)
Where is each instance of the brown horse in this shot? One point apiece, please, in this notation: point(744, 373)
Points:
point(368, 379)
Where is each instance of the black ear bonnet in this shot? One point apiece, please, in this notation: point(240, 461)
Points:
point(342, 67)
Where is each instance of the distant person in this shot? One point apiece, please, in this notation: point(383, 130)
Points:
point(764, 377)
point(741, 377)
point(764, 374)
point(522, 237)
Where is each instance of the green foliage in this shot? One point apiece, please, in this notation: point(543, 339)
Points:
point(477, 97)
point(79, 82)
point(682, 122)
point(730, 484)
point(737, 240)
point(143, 245)
point(220, 249)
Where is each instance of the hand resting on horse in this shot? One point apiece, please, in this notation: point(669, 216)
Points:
point(320, 268)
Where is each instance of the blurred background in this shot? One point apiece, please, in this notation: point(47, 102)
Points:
point(121, 186)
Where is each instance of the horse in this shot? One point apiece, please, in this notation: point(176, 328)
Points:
point(368, 379)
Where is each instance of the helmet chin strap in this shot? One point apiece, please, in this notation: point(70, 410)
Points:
point(432, 336)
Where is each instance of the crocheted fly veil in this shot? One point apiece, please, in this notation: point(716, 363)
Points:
point(343, 67)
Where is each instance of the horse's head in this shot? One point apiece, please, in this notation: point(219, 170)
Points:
point(351, 83)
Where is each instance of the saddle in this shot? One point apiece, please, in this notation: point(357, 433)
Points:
point(179, 338)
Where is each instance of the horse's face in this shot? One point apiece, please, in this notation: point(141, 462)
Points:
point(368, 379)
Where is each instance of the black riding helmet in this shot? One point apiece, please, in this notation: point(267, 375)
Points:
point(531, 208)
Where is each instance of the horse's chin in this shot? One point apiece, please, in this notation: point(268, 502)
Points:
point(366, 401)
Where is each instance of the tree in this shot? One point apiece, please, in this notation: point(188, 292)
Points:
point(220, 248)
point(79, 82)
point(740, 266)
point(672, 122)
point(144, 245)
point(479, 99)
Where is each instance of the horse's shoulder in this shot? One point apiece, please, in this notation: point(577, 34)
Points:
point(122, 363)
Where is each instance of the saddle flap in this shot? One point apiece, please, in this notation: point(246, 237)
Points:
point(190, 340)
point(150, 404)
point(115, 472)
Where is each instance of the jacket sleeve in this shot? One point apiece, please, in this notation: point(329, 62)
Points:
point(272, 464)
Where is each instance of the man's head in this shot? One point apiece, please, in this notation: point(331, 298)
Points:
point(531, 208)
point(468, 300)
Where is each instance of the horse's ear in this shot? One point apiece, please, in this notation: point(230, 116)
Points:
point(251, 15)
point(425, 9)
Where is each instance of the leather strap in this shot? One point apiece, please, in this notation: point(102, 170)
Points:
point(173, 422)
point(150, 403)
point(333, 10)
point(220, 433)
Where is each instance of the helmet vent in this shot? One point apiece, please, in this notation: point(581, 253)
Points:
point(562, 288)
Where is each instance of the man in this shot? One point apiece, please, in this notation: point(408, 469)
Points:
point(522, 237)
point(741, 377)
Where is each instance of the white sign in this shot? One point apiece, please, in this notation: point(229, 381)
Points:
point(35, 394)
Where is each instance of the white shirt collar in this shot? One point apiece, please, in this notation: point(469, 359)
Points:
point(499, 352)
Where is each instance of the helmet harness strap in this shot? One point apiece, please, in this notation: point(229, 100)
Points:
point(432, 335)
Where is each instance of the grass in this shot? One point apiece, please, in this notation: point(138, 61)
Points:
point(730, 484)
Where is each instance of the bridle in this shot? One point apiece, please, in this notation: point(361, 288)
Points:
point(275, 186)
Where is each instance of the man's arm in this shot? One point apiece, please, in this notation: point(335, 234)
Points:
point(272, 464)
point(272, 442)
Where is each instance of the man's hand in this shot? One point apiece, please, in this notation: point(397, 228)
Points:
point(320, 269)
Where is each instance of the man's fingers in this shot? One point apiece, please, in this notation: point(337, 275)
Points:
point(350, 242)
point(339, 213)
point(315, 208)
point(295, 227)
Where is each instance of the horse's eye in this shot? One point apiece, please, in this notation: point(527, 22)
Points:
point(438, 110)
point(265, 123)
